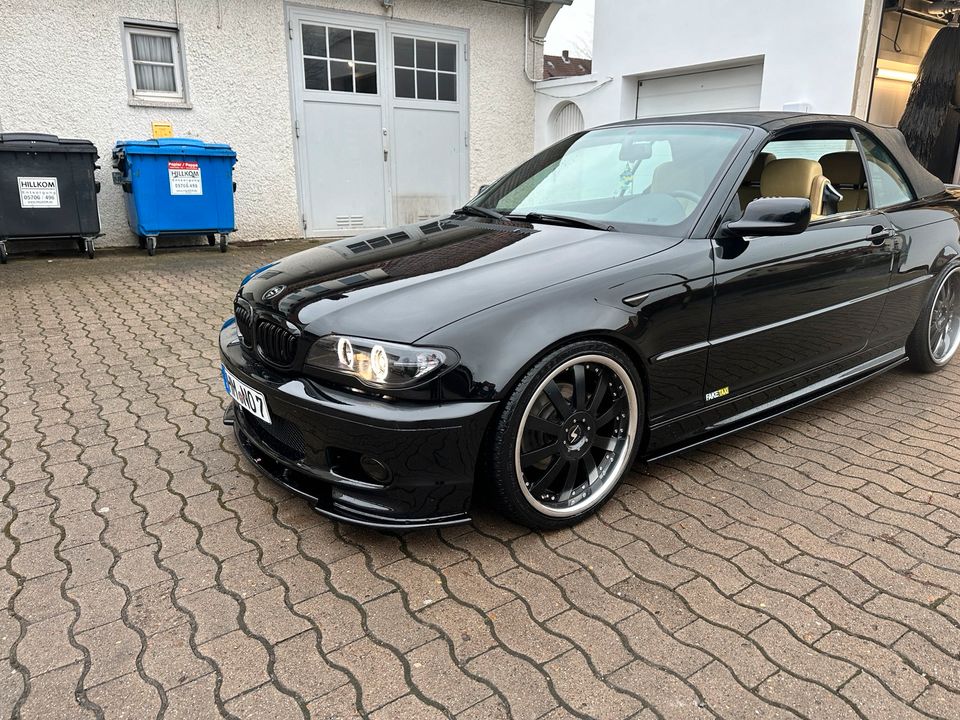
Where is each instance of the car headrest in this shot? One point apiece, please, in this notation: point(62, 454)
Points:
point(756, 170)
point(673, 175)
point(792, 177)
point(843, 168)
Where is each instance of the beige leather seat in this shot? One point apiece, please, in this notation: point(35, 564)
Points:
point(795, 177)
point(750, 188)
point(846, 174)
point(675, 175)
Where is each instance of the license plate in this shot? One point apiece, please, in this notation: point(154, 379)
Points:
point(249, 399)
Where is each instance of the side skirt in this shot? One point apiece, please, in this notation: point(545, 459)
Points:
point(792, 401)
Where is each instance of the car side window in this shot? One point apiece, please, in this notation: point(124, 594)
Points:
point(887, 184)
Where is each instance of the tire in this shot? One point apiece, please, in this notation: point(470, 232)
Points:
point(223, 243)
point(3, 254)
point(89, 248)
point(936, 338)
point(151, 245)
point(211, 239)
point(546, 483)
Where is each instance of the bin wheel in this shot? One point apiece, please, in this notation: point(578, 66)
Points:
point(141, 242)
point(151, 245)
point(3, 253)
point(211, 239)
point(223, 243)
point(89, 248)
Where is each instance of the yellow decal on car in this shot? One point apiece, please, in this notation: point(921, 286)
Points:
point(716, 394)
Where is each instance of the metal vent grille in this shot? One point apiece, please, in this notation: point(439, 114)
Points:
point(349, 221)
point(244, 323)
point(276, 343)
point(377, 242)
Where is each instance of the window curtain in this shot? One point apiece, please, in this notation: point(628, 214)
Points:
point(153, 49)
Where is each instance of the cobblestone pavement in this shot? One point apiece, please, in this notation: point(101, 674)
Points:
point(807, 568)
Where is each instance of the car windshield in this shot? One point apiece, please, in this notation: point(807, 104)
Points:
point(631, 178)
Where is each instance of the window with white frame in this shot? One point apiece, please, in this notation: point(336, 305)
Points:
point(425, 69)
point(154, 62)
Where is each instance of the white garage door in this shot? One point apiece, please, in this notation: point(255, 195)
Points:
point(381, 120)
point(725, 90)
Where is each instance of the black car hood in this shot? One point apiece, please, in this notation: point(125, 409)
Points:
point(406, 283)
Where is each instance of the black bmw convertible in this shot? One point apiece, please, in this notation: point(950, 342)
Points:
point(629, 292)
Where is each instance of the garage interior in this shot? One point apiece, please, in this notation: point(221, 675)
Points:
point(908, 30)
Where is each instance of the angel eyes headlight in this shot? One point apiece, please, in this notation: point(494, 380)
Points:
point(377, 363)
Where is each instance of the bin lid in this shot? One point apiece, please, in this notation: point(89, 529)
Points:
point(174, 146)
point(41, 142)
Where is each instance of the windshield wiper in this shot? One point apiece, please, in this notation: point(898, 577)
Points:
point(563, 220)
point(477, 211)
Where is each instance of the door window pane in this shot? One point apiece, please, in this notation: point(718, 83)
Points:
point(426, 85)
point(406, 87)
point(426, 55)
point(315, 74)
point(366, 78)
point(403, 52)
point(340, 44)
point(446, 86)
point(314, 40)
point(425, 69)
point(885, 181)
point(341, 76)
point(364, 46)
point(447, 57)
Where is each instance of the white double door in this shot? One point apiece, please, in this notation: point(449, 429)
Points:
point(380, 111)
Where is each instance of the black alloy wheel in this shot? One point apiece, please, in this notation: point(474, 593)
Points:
point(936, 338)
point(567, 435)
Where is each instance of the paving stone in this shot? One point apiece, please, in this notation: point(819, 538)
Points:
point(799, 658)
point(266, 702)
point(389, 620)
point(437, 677)
point(242, 662)
point(882, 662)
point(525, 688)
point(735, 651)
point(378, 671)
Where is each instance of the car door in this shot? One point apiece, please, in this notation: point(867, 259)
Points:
point(787, 306)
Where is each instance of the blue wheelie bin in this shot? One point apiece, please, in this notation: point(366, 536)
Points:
point(176, 187)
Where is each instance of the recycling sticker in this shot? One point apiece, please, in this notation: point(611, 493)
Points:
point(185, 177)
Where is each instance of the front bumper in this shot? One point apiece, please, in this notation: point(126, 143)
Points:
point(318, 436)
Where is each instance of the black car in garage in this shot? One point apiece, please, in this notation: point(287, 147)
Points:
point(631, 291)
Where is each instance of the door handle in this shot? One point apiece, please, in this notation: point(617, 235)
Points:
point(879, 235)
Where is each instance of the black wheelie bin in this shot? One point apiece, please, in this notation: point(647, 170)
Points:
point(47, 190)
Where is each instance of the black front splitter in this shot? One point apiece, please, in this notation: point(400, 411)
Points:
point(325, 504)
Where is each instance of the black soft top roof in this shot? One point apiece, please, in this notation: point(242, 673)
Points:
point(924, 183)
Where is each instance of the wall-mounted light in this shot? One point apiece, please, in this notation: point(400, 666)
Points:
point(901, 75)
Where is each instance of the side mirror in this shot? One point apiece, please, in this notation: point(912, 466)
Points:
point(772, 216)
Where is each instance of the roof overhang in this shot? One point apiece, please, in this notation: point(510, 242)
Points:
point(544, 13)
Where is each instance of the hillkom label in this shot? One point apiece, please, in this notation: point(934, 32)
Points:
point(39, 192)
point(184, 177)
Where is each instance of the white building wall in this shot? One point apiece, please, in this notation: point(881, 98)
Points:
point(810, 50)
point(63, 73)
